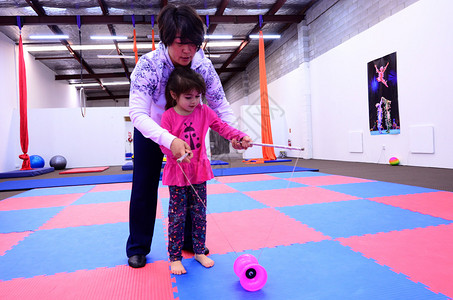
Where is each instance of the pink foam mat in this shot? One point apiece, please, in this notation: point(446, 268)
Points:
point(84, 170)
point(423, 254)
point(243, 178)
point(89, 214)
point(298, 196)
point(17, 203)
point(9, 240)
point(328, 180)
point(255, 229)
point(123, 282)
point(112, 187)
point(437, 204)
point(211, 189)
point(220, 189)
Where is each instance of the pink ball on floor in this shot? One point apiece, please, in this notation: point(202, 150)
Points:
point(394, 161)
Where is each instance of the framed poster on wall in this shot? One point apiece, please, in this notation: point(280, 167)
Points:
point(383, 96)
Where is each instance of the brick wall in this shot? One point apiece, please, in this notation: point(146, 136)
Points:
point(332, 22)
point(328, 24)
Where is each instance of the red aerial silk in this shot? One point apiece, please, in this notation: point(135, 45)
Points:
point(135, 47)
point(266, 130)
point(23, 109)
point(152, 36)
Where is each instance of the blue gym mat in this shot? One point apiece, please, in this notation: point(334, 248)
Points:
point(339, 246)
point(26, 173)
point(66, 181)
point(100, 179)
point(130, 165)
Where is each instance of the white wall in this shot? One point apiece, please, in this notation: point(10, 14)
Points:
point(98, 139)
point(288, 110)
point(42, 92)
point(8, 100)
point(421, 36)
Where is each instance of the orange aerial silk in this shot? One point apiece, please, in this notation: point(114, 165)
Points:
point(23, 109)
point(266, 130)
point(135, 47)
point(152, 36)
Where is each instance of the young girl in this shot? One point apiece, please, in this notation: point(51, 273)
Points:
point(186, 118)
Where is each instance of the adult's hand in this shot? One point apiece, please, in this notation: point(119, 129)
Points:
point(178, 148)
point(243, 144)
point(246, 142)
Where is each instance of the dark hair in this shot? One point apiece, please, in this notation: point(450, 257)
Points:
point(183, 20)
point(183, 80)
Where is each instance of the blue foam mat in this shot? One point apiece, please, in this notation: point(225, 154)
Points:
point(101, 179)
point(130, 166)
point(358, 217)
point(259, 170)
point(323, 270)
point(26, 173)
point(66, 181)
point(75, 248)
point(262, 185)
point(376, 189)
point(26, 219)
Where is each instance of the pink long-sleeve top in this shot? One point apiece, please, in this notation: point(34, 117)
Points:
point(192, 129)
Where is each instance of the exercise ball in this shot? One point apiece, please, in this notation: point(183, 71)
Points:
point(394, 161)
point(58, 162)
point(36, 161)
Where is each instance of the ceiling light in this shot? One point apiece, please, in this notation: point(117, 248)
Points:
point(97, 84)
point(108, 37)
point(126, 46)
point(48, 36)
point(116, 56)
point(224, 44)
point(265, 36)
point(117, 83)
point(218, 36)
point(84, 84)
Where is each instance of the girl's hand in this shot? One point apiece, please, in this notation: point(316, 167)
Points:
point(178, 148)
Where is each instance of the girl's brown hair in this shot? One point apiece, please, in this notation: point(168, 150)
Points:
point(183, 80)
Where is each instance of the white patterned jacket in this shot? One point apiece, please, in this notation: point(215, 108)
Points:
point(147, 92)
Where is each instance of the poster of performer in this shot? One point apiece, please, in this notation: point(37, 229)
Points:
point(383, 96)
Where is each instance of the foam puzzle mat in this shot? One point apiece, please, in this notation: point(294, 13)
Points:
point(319, 236)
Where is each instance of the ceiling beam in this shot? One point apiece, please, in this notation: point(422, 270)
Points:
point(91, 98)
point(89, 76)
point(54, 57)
point(254, 55)
point(55, 29)
point(277, 5)
point(220, 10)
point(120, 74)
point(105, 12)
point(116, 19)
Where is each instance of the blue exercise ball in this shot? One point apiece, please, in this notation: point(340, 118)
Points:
point(36, 161)
point(58, 162)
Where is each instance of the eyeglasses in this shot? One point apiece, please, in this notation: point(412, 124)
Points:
point(187, 42)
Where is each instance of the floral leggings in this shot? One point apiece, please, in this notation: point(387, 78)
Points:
point(183, 198)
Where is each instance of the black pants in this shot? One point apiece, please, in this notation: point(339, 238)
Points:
point(145, 182)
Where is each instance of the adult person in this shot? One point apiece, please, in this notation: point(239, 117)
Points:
point(181, 31)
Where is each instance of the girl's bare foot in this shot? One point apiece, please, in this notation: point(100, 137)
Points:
point(177, 268)
point(204, 260)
